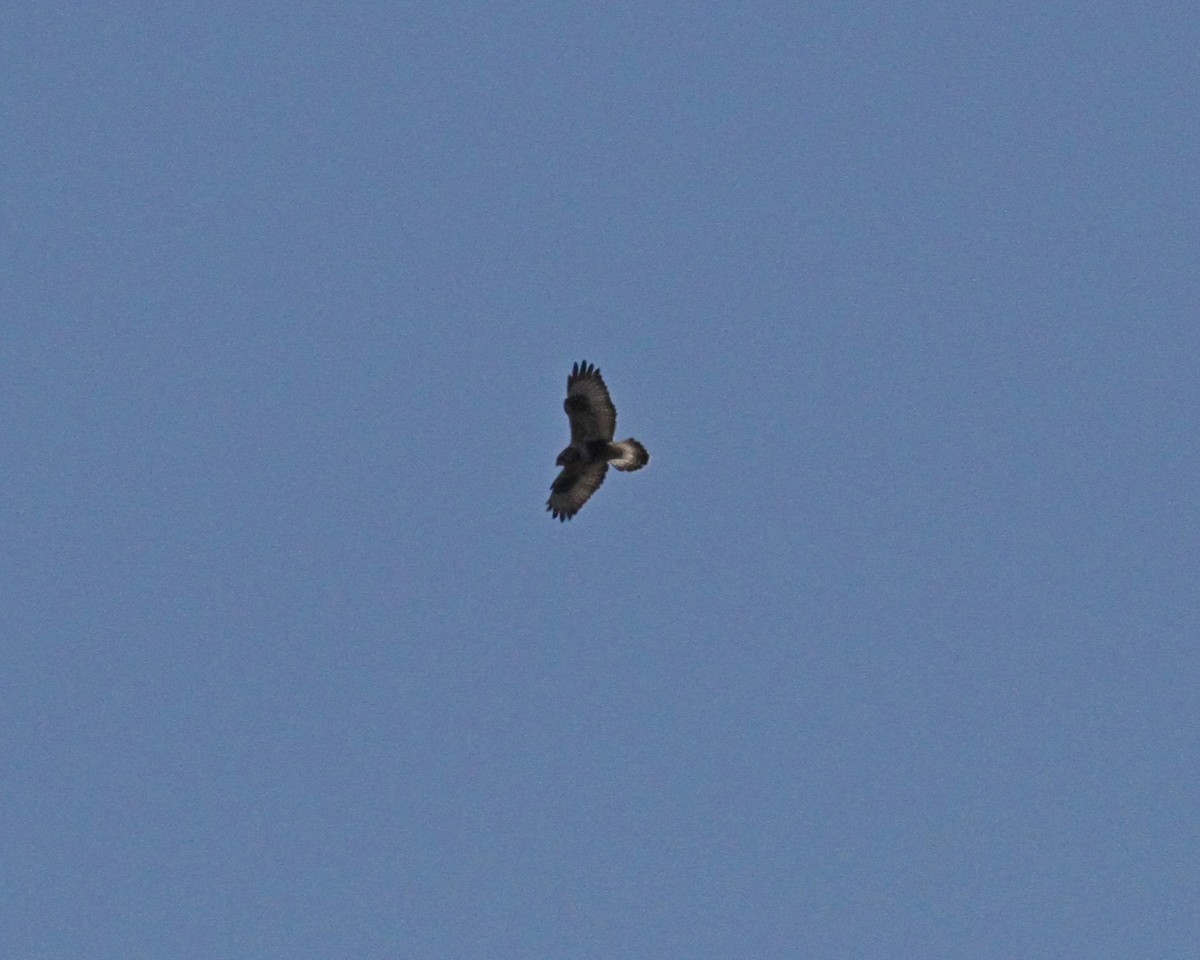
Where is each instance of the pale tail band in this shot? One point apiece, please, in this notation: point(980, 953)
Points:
point(632, 455)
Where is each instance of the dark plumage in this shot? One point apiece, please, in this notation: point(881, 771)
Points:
point(593, 421)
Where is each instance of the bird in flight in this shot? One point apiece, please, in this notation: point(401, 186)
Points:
point(584, 463)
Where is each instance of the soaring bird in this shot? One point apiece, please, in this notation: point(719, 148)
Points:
point(585, 462)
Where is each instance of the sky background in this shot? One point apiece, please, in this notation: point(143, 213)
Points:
point(891, 652)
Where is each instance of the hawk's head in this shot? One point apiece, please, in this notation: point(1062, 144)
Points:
point(569, 457)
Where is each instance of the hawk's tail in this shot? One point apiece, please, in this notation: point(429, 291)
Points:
point(628, 455)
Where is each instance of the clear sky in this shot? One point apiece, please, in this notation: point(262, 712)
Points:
point(891, 652)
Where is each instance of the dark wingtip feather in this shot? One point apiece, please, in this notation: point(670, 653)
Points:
point(582, 370)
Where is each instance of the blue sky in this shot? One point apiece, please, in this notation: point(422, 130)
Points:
point(890, 652)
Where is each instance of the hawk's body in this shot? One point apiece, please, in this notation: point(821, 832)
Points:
point(585, 462)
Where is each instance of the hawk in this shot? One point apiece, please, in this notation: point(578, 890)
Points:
point(585, 462)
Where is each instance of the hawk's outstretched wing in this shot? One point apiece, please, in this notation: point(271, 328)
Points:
point(572, 487)
point(588, 406)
